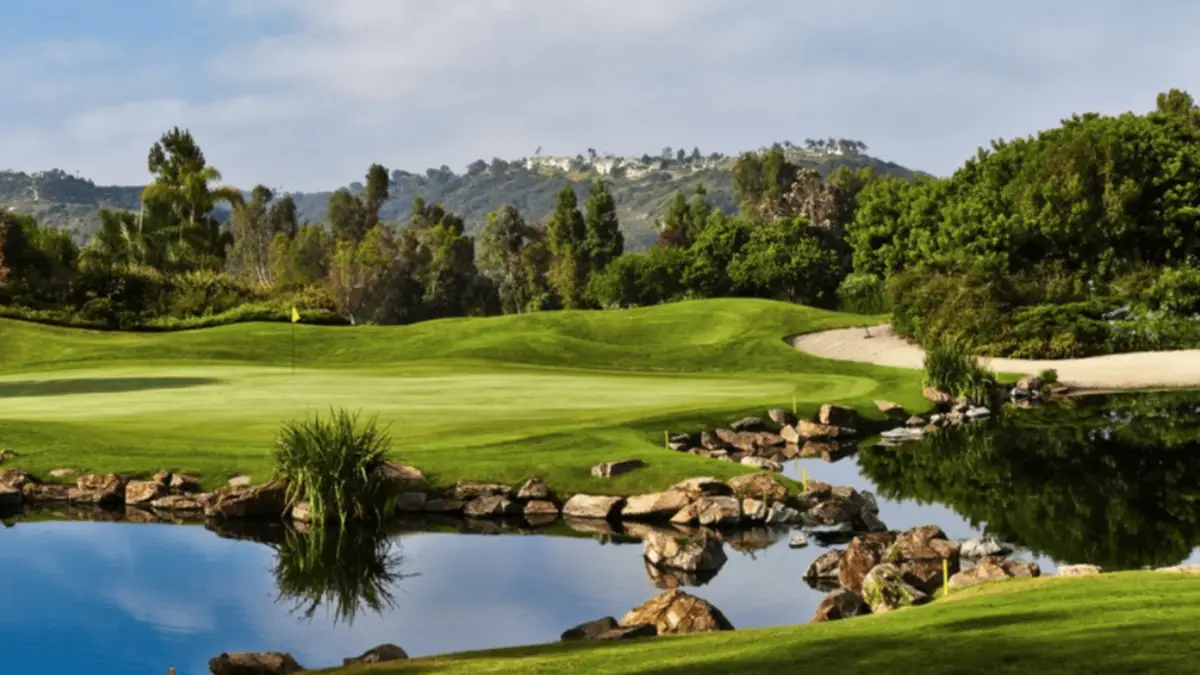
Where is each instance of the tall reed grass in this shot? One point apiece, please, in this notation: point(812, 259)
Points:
point(951, 366)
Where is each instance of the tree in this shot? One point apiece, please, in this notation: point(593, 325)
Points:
point(566, 236)
point(681, 155)
point(505, 259)
point(3, 269)
point(696, 156)
point(354, 269)
point(604, 239)
point(347, 217)
point(376, 193)
point(477, 167)
point(256, 224)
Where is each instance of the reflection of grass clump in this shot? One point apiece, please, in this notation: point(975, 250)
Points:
point(951, 367)
point(346, 570)
point(333, 464)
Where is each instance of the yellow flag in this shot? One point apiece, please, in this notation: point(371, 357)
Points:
point(295, 316)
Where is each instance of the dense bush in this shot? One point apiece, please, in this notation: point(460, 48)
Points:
point(951, 366)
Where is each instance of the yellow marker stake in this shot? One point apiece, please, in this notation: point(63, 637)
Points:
point(793, 405)
point(667, 440)
point(804, 478)
point(945, 576)
point(171, 671)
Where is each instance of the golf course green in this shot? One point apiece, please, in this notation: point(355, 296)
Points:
point(1129, 622)
point(498, 399)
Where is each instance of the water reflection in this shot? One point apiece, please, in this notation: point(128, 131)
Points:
point(1109, 480)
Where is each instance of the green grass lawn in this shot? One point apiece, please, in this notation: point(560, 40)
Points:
point(1134, 622)
point(503, 398)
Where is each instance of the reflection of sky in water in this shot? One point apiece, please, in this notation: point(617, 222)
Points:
point(123, 599)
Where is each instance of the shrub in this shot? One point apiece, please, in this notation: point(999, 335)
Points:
point(1048, 376)
point(951, 367)
point(1177, 291)
point(862, 294)
point(333, 465)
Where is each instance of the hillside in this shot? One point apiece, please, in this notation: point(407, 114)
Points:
point(642, 187)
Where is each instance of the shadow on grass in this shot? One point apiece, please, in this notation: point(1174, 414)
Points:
point(97, 385)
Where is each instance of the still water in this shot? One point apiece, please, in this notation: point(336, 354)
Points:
point(1110, 481)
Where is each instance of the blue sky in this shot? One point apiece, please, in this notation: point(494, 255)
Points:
point(305, 94)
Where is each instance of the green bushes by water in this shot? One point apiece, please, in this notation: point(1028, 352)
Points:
point(333, 464)
point(951, 367)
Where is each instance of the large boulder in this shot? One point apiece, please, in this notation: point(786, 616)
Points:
point(749, 441)
point(534, 488)
point(253, 663)
point(983, 547)
point(718, 511)
point(992, 568)
point(754, 510)
point(590, 630)
point(401, 474)
point(491, 506)
point(47, 493)
point(105, 489)
point(840, 604)
point(179, 503)
point(791, 435)
point(885, 589)
point(817, 431)
point(838, 416)
point(826, 565)
point(704, 486)
point(762, 463)
point(15, 478)
point(444, 505)
point(919, 553)
point(541, 510)
point(748, 424)
point(889, 408)
point(380, 654)
point(140, 492)
point(865, 552)
point(465, 491)
point(182, 482)
point(260, 501)
point(691, 554)
point(1078, 570)
point(780, 514)
point(654, 506)
point(591, 506)
point(677, 612)
point(610, 469)
point(709, 440)
point(781, 417)
point(411, 502)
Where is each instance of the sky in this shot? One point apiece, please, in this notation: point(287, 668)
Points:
point(306, 94)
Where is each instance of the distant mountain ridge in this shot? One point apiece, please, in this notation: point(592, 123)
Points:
point(642, 186)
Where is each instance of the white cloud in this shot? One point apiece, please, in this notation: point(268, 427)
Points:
point(329, 87)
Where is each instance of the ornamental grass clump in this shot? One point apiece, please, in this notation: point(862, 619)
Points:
point(333, 464)
point(951, 367)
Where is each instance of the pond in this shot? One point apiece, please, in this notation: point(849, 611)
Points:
point(1108, 480)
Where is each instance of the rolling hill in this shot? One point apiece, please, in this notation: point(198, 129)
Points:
point(642, 187)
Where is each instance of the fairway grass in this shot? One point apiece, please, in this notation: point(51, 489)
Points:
point(1133, 622)
point(500, 399)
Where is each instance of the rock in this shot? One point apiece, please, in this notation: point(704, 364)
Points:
point(240, 482)
point(903, 435)
point(834, 512)
point(717, 511)
point(754, 510)
point(838, 416)
point(710, 441)
point(45, 493)
point(750, 441)
point(871, 522)
point(705, 486)
point(790, 435)
point(798, 541)
point(590, 630)
point(380, 654)
point(840, 604)
point(64, 473)
point(986, 546)
point(444, 505)
point(758, 485)
point(10, 497)
point(262, 501)
point(935, 396)
point(677, 612)
point(253, 663)
point(465, 491)
point(762, 463)
point(818, 431)
point(179, 503)
point(748, 424)
point(656, 505)
point(781, 417)
point(688, 515)
point(779, 514)
point(491, 506)
point(1186, 568)
point(919, 552)
point(1078, 570)
point(1029, 383)
point(302, 512)
point(992, 569)
point(15, 478)
point(610, 469)
point(411, 502)
point(826, 565)
point(862, 555)
point(588, 506)
point(400, 474)
point(679, 446)
point(628, 633)
point(105, 489)
point(163, 478)
point(701, 553)
point(884, 589)
point(534, 488)
point(977, 413)
point(889, 408)
point(541, 510)
point(138, 492)
point(181, 482)
point(916, 421)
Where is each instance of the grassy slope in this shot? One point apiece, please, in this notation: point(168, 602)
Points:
point(501, 398)
point(1136, 622)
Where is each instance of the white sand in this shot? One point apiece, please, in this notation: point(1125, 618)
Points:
point(1141, 370)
